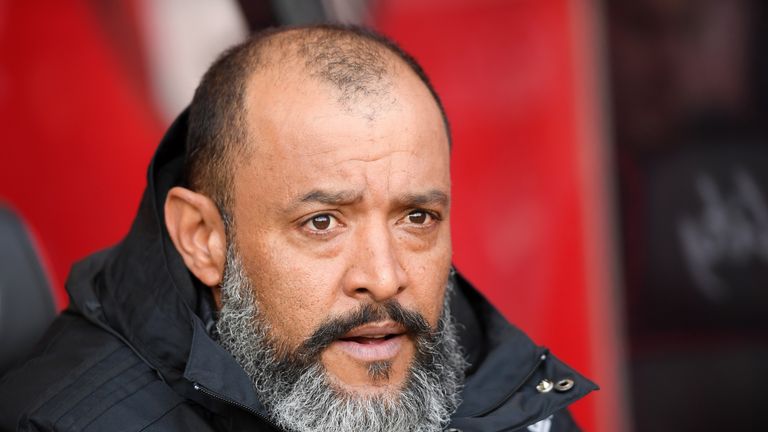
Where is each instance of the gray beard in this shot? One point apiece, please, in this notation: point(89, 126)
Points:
point(298, 393)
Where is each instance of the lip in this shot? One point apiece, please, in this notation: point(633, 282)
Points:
point(376, 329)
point(375, 349)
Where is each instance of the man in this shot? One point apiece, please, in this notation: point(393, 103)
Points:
point(290, 269)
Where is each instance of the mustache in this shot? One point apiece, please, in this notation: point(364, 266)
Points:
point(334, 328)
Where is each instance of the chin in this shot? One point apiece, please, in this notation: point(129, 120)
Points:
point(374, 387)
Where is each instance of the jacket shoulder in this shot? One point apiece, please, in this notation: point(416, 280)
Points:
point(82, 378)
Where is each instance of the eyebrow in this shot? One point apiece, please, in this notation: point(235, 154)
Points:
point(431, 197)
point(337, 198)
point(333, 198)
point(349, 197)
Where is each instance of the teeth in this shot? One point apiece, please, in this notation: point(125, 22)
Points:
point(377, 337)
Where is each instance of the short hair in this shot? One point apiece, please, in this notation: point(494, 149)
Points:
point(351, 58)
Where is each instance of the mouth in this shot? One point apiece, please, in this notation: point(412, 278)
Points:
point(373, 342)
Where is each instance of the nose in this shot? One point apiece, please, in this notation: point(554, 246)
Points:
point(374, 271)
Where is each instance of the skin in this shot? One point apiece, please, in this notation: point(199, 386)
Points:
point(384, 235)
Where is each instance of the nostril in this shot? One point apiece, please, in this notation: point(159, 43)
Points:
point(360, 290)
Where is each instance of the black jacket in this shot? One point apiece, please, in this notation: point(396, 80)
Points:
point(133, 352)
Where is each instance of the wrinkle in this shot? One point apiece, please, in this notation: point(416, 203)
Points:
point(373, 158)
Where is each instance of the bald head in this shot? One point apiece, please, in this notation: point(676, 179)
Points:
point(355, 65)
point(359, 66)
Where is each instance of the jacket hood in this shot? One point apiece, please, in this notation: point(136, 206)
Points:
point(140, 289)
point(141, 292)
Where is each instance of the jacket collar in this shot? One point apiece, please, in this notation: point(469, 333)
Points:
point(505, 367)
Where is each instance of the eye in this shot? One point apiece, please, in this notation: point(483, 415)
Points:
point(321, 223)
point(421, 217)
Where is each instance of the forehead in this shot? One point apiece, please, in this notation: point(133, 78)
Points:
point(306, 134)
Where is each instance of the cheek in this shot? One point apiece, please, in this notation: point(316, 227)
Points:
point(428, 273)
point(433, 296)
point(294, 294)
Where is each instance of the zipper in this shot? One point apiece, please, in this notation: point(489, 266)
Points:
point(229, 401)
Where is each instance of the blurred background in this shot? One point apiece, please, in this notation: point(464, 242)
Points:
point(610, 170)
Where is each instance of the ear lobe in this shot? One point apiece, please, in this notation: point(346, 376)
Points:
point(197, 231)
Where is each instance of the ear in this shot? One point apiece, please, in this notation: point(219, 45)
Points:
point(197, 230)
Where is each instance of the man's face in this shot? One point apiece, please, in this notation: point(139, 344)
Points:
point(342, 205)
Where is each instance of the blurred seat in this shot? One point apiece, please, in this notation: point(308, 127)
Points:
point(26, 299)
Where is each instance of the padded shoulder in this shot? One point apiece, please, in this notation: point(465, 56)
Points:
point(80, 378)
